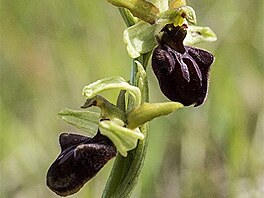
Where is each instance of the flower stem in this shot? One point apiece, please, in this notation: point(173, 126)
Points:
point(125, 172)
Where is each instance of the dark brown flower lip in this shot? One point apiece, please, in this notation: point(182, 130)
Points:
point(81, 158)
point(182, 71)
point(182, 76)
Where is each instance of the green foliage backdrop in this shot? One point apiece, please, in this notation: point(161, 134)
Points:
point(51, 49)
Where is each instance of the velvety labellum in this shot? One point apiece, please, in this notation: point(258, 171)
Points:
point(80, 159)
point(174, 36)
point(182, 71)
point(182, 77)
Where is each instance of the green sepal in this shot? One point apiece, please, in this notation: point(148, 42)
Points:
point(123, 138)
point(127, 16)
point(139, 38)
point(161, 4)
point(177, 3)
point(142, 9)
point(197, 34)
point(149, 111)
point(85, 120)
point(117, 82)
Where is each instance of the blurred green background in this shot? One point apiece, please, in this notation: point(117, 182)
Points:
point(51, 49)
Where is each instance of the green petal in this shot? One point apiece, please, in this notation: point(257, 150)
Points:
point(85, 120)
point(139, 38)
point(197, 34)
point(123, 138)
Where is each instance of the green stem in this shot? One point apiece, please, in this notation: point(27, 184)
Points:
point(125, 172)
